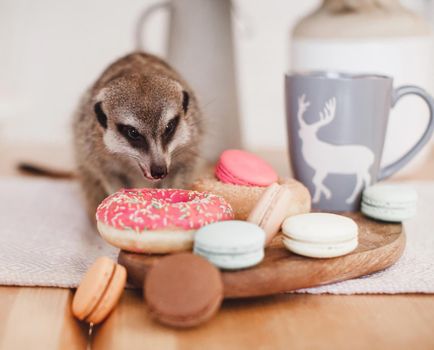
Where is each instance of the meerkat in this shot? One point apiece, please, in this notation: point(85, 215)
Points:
point(139, 125)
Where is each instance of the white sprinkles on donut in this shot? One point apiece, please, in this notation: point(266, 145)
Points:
point(152, 209)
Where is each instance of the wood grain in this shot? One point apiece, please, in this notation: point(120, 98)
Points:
point(380, 245)
point(287, 321)
point(39, 318)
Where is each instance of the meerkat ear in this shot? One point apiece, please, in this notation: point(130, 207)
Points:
point(185, 100)
point(100, 115)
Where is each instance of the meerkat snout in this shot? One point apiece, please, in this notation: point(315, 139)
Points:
point(158, 171)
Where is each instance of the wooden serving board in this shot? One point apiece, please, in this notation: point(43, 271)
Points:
point(380, 246)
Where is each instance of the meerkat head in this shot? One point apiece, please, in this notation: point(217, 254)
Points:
point(145, 118)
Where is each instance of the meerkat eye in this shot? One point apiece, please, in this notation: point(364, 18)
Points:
point(170, 128)
point(100, 115)
point(132, 133)
point(133, 136)
point(129, 132)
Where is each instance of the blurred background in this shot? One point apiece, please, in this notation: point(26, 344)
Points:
point(51, 51)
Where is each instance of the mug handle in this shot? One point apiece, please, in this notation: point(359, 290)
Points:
point(426, 136)
point(146, 14)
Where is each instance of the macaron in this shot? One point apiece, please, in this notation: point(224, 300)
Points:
point(320, 235)
point(389, 202)
point(230, 244)
point(183, 290)
point(276, 203)
point(243, 168)
point(99, 290)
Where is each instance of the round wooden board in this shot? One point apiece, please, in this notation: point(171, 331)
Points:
point(380, 246)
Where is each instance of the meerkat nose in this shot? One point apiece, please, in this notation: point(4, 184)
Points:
point(158, 171)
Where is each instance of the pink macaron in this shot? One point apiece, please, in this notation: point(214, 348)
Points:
point(243, 168)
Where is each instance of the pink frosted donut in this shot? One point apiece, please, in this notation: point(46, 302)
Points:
point(158, 220)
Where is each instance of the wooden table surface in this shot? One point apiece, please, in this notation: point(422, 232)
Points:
point(40, 318)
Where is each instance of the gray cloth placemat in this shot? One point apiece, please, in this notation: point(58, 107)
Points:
point(46, 240)
point(45, 236)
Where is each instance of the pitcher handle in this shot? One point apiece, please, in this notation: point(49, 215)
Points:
point(140, 26)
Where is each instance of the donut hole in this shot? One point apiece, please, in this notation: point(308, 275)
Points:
point(179, 197)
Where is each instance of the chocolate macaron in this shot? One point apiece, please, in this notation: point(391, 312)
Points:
point(183, 290)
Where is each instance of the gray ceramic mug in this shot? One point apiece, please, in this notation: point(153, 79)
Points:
point(336, 128)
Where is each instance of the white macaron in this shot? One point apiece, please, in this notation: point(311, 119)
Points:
point(389, 202)
point(230, 244)
point(320, 235)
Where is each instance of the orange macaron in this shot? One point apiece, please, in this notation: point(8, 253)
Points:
point(99, 290)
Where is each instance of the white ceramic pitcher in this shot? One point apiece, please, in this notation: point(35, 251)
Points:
point(200, 47)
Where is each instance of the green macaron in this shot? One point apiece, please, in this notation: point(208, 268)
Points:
point(389, 202)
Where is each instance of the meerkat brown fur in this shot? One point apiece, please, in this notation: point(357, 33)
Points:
point(139, 125)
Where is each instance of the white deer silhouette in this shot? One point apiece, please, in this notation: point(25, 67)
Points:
point(326, 158)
